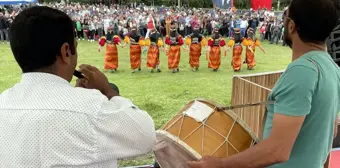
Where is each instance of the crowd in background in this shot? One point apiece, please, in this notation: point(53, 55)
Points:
point(92, 21)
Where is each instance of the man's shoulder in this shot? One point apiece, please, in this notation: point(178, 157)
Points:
point(317, 60)
point(295, 72)
point(305, 62)
point(44, 97)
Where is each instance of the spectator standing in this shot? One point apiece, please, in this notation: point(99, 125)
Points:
point(263, 31)
point(3, 28)
point(243, 26)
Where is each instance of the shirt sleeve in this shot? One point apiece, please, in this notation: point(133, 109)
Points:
point(293, 95)
point(123, 130)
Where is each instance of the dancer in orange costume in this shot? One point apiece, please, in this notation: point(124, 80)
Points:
point(236, 44)
point(154, 42)
point(136, 43)
point(195, 41)
point(173, 52)
point(251, 43)
point(111, 55)
point(215, 43)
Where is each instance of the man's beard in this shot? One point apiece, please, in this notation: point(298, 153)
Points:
point(286, 36)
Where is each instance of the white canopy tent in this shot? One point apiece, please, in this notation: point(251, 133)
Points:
point(11, 2)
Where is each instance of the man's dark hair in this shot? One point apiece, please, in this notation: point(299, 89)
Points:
point(37, 35)
point(314, 19)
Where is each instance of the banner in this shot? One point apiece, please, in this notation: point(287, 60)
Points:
point(256, 4)
point(223, 4)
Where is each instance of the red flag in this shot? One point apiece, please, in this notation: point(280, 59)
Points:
point(256, 4)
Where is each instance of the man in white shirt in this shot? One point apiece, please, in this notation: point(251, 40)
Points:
point(46, 122)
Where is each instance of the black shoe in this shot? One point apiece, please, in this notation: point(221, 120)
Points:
point(177, 70)
point(139, 69)
point(159, 70)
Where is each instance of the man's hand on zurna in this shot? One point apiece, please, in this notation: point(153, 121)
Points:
point(81, 83)
point(97, 80)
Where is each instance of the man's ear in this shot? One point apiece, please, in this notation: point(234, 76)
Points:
point(65, 53)
point(292, 27)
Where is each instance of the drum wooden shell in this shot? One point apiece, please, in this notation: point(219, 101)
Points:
point(184, 139)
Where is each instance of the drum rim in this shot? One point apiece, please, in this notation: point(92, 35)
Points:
point(179, 143)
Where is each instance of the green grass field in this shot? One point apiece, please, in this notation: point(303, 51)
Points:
point(161, 94)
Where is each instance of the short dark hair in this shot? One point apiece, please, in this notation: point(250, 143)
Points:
point(314, 19)
point(37, 34)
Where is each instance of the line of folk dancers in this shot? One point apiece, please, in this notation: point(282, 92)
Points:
point(195, 42)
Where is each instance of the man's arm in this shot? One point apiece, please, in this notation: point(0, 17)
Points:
point(123, 130)
point(275, 149)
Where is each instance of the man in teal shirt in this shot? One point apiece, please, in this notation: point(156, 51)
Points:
point(300, 125)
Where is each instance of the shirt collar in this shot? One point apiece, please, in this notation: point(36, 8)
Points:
point(41, 77)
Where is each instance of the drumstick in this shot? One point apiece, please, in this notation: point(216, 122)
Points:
point(245, 105)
